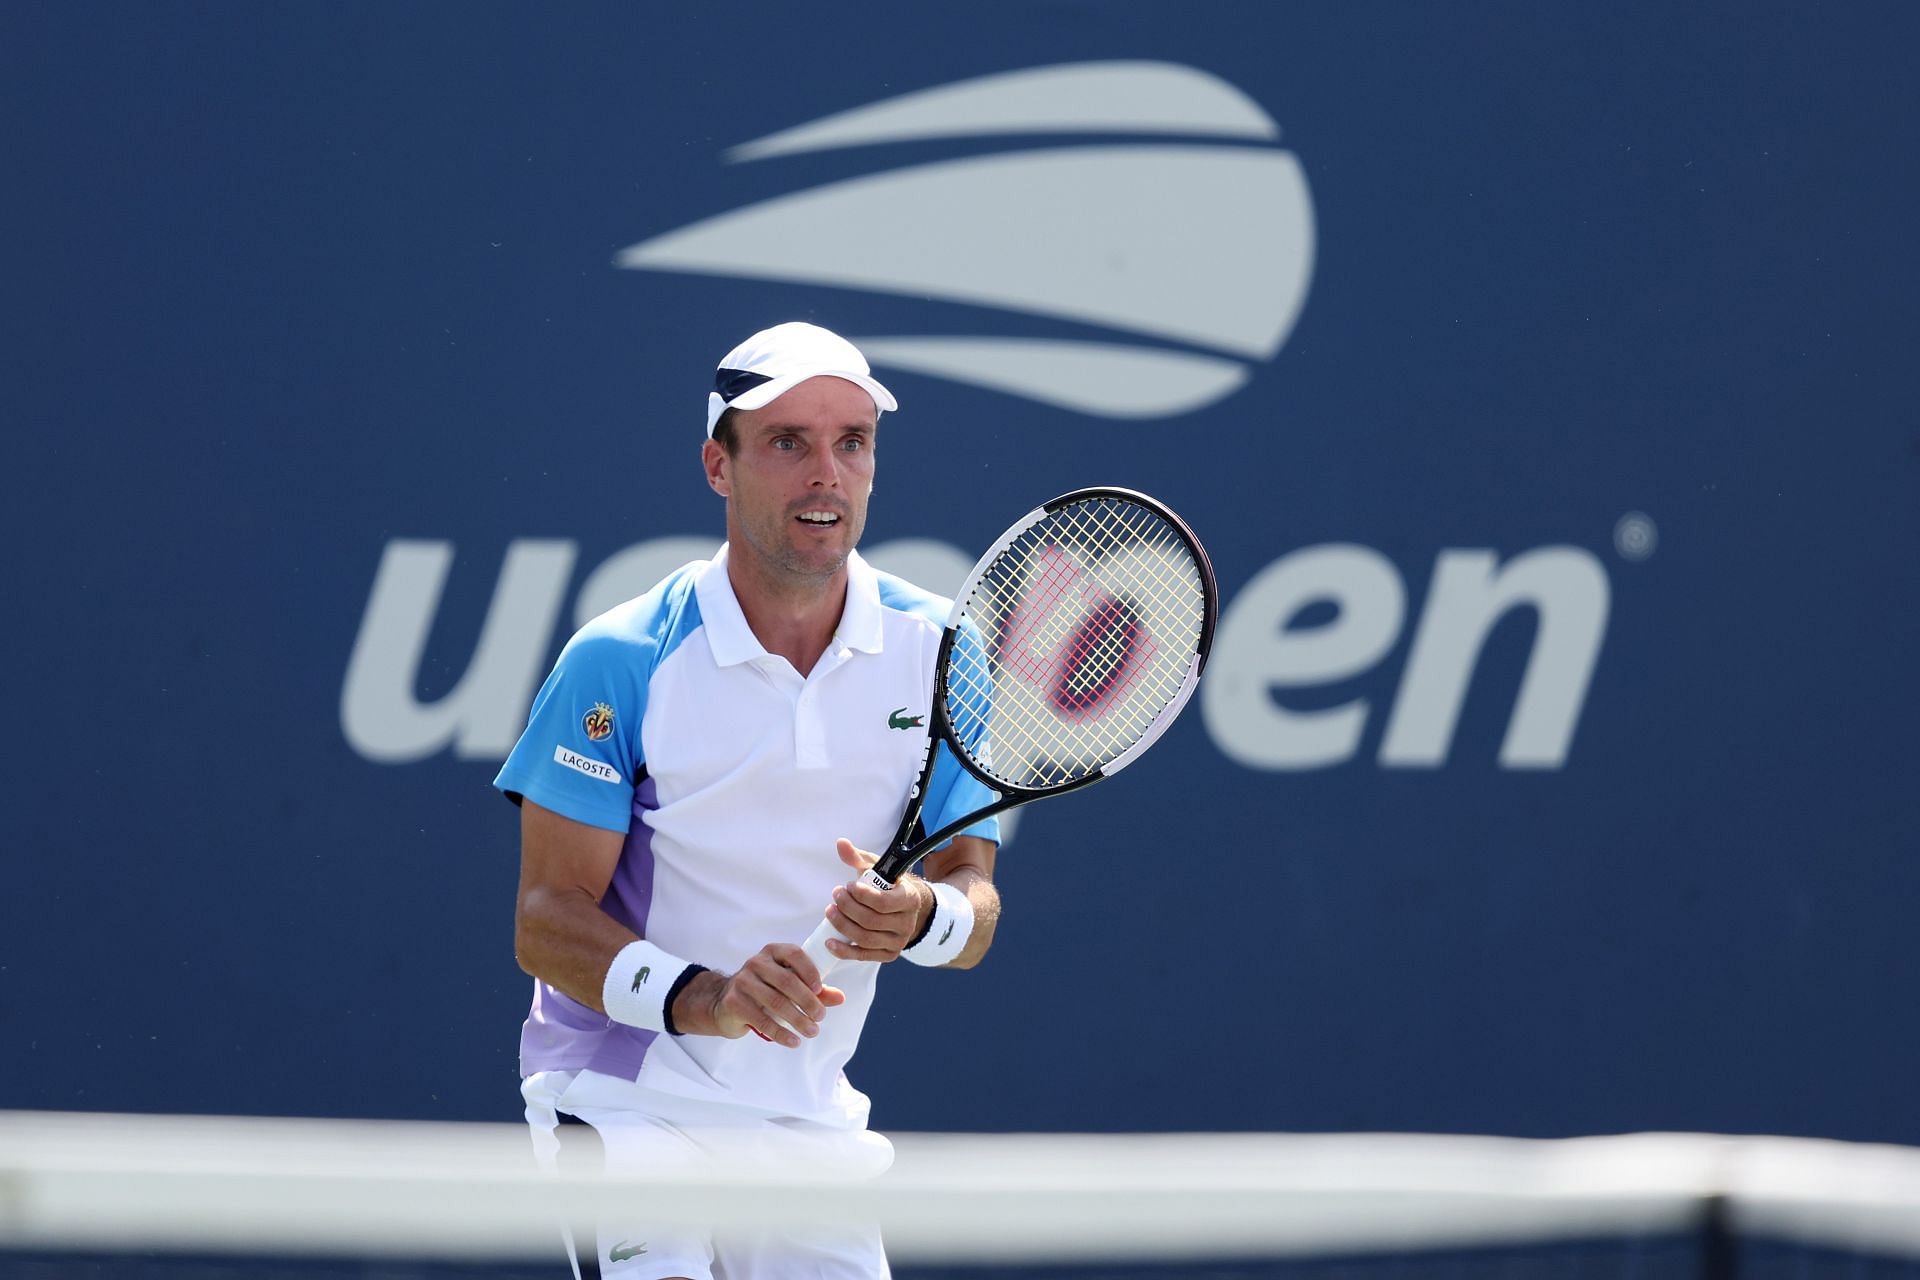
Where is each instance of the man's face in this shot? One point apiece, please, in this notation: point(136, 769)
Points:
point(797, 487)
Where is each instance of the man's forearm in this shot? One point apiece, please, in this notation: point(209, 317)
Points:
point(563, 938)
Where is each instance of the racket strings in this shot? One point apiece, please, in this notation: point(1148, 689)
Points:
point(1073, 642)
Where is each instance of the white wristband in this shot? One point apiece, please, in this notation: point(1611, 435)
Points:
point(640, 981)
point(947, 929)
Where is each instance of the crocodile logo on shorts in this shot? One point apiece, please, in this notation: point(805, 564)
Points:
point(899, 719)
point(620, 1252)
point(598, 723)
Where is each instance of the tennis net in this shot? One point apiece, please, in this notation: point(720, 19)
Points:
point(130, 1197)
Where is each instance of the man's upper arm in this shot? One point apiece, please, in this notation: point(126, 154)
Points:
point(560, 855)
point(961, 851)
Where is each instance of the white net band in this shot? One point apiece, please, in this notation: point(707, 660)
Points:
point(471, 1191)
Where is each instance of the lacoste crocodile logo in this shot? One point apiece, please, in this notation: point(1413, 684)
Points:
point(899, 719)
point(946, 935)
point(641, 976)
point(620, 1252)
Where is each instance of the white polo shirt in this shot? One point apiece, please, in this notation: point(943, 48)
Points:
point(732, 775)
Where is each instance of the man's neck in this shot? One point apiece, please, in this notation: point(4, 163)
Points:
point(793, 618)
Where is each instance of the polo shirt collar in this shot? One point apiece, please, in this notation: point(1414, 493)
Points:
point(860, 620)
point(733, 641)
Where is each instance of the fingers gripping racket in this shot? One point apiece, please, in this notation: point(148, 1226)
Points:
point(1072, 646)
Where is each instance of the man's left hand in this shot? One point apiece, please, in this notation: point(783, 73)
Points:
point(876, 923)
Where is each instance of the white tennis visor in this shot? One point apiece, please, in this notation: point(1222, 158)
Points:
point(773, 361)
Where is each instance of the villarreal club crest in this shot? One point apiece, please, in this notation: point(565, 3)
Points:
point(598, 723)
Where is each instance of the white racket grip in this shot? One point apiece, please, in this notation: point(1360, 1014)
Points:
point(816, 945)
point(816, 949)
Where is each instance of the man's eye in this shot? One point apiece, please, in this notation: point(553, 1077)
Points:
point(784, 442)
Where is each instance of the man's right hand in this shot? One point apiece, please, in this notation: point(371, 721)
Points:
point(776, 989)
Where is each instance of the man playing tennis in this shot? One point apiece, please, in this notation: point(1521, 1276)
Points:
point(701, 775)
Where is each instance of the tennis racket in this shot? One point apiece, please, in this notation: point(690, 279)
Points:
point(1072, 646)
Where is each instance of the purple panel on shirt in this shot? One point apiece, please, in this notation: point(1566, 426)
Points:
point(561, 1034)
point(630, 895)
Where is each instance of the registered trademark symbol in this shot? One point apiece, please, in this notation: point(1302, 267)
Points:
point(1635, 536)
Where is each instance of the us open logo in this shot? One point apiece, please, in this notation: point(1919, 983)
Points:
point(1199, 240)
point(1173, 247)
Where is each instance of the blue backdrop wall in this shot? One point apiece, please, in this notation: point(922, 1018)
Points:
point(1539, 376)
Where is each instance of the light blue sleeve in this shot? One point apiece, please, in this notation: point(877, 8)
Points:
point(580, 755)
point(952, 792)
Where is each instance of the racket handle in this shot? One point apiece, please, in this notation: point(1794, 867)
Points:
point(816, 946)
point(816, 949)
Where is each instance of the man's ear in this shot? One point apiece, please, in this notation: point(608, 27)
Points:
point(714, 459)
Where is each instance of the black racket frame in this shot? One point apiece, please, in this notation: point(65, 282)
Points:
point(904, 851)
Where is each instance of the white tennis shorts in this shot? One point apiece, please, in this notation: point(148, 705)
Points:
point(641, 1129)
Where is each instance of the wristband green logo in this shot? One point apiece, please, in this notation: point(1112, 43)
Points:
point(620, 1252)
point(639, 978)
point(946, 935)
point(899, 719)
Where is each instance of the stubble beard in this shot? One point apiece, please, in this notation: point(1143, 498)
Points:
point(777, 551)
